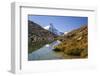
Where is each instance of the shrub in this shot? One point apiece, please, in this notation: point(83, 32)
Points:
point(57, 49)
point(84, 53)
point(74, 52)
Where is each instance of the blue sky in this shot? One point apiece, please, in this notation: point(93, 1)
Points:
point(61, 23)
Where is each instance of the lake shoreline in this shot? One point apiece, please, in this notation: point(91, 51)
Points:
point(45, 53)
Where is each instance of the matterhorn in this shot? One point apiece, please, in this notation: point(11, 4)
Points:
point(52, 29)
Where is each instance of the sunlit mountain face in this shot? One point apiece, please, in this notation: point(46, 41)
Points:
point(52, 29)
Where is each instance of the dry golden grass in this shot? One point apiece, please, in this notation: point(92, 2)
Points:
point(75, 43)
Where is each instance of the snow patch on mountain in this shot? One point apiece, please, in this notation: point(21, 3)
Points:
point(65, 33)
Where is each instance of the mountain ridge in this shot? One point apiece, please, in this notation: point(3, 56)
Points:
point(52, 29)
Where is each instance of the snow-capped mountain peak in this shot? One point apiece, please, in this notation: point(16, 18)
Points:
point(53, 29)
point(47, 27)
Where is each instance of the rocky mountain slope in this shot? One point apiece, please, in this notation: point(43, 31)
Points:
point(74, 44)
point(38, 36)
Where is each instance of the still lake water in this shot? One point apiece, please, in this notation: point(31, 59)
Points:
point(45, 53)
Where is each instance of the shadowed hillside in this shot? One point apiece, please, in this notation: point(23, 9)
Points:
point(74, 44)
point(38, 36)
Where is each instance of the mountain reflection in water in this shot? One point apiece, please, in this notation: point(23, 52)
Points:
point(45, 53)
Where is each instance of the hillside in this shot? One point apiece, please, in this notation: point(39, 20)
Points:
point(74, 44)
point(38, 36)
